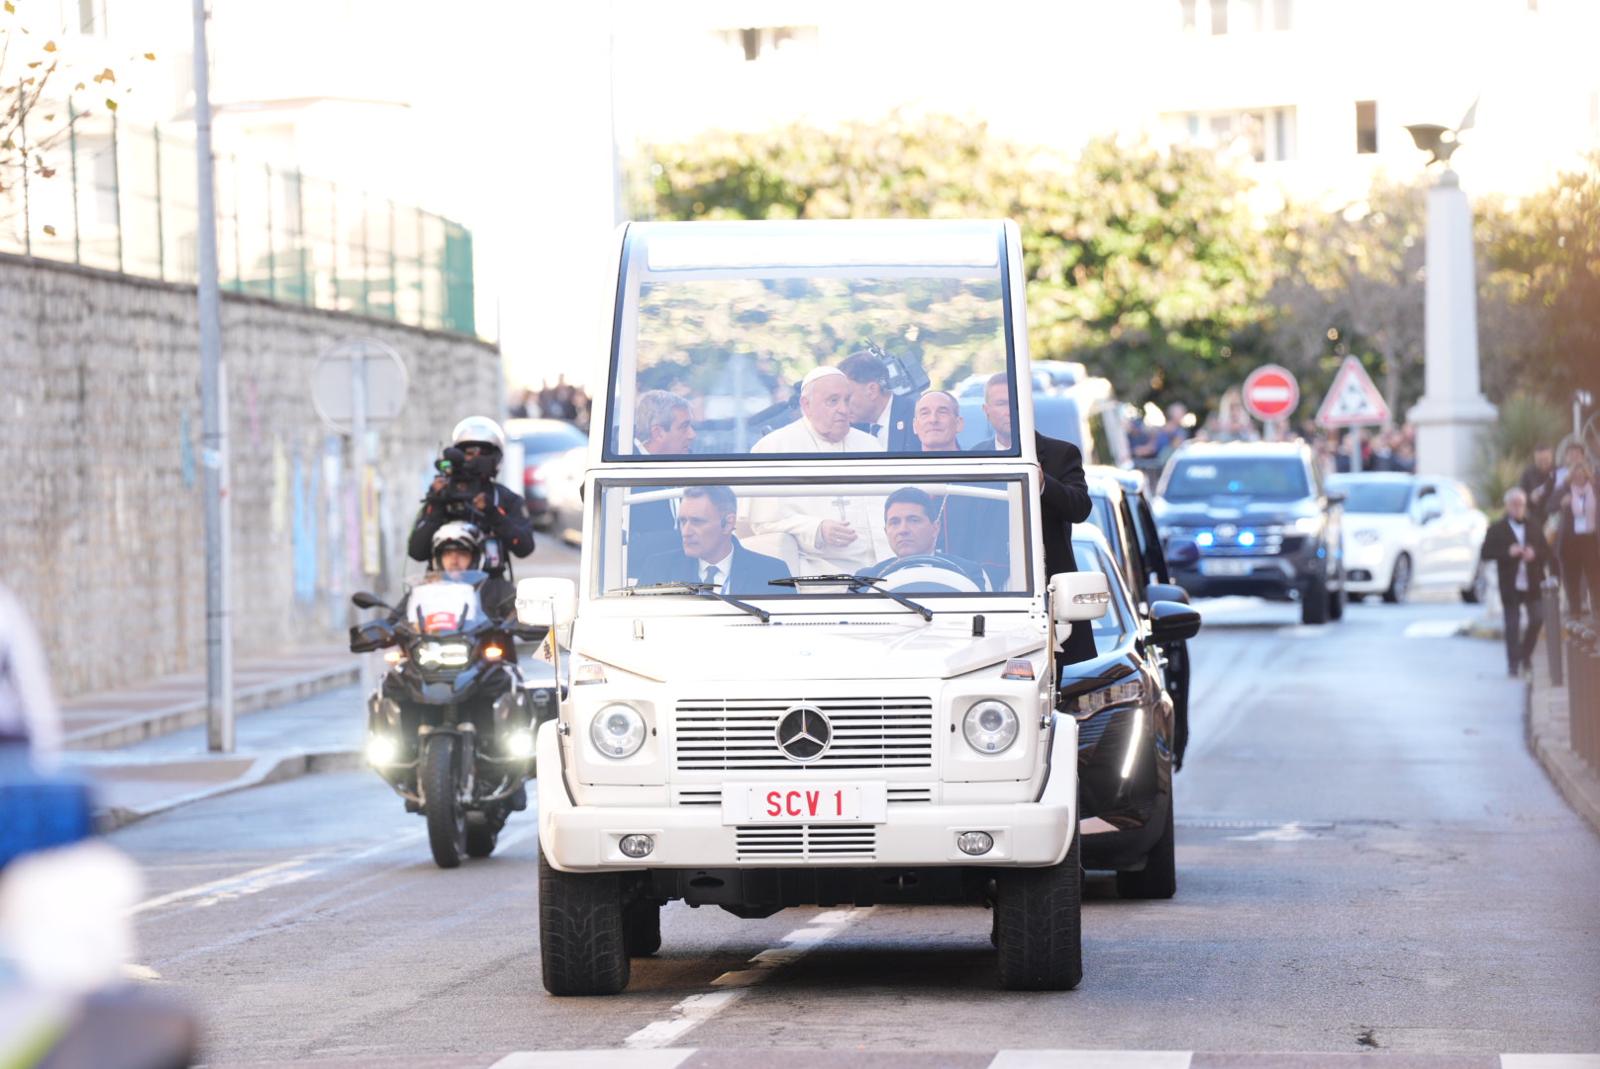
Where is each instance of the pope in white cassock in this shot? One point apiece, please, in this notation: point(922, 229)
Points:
point(839, 532)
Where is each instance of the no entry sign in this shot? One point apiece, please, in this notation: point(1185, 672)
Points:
point(1271, 393)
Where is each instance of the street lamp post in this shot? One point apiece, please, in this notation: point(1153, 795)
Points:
point(1453, 411)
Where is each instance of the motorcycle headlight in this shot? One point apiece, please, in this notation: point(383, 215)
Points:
point(990, 726)
point(1086, 705)
point(617, 731)
point(442, 654)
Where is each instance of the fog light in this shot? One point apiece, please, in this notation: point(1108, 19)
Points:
point(975, 842)
point(636, 846)
point(381, 750)
point(520, 744)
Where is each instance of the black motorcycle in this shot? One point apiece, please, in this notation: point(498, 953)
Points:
point(452, 725)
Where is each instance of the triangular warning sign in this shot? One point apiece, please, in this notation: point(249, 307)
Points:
point(1353, 400)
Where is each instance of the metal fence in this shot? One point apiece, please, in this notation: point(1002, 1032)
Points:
point(111, 195)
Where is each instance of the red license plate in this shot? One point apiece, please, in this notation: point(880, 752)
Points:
point(809, 804)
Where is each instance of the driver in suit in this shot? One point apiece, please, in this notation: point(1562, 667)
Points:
point(710, 553)
point(911, 521)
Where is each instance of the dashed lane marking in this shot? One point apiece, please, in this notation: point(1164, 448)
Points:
point(1091, 1059)
point(593, 1059)
point(697, 1009)
point(1435, 628)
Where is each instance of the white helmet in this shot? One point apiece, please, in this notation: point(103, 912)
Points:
point(479, 430)
point(459, 534)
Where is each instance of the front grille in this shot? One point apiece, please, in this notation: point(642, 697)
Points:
point(688, 796)
point(805, 842)
point(738, 735)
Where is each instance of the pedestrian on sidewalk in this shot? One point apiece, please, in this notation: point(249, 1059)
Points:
point(1578, 541)
point(1517, 546)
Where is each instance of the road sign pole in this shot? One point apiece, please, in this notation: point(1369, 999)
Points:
point(1355, 449)
point(214, 416)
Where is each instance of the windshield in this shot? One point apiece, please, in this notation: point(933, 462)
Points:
point(1368, 495)
point(806, 338)
point(1111, 630)
point(443, 602)
point(1263, 478)
point(929, 537)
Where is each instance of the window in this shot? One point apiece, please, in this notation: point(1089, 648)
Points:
point(923, 535)
point(1188, 9)
point(1219, 17)
point(1366, 127)
point(755, 42)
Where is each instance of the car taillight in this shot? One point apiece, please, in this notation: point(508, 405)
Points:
point(532, 476)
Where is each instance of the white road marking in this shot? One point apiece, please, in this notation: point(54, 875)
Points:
point(1550, 1061)
point(593, 1059)
point(696, 1009)
point(145, 973)
point(1292, 832)
point(1091, 1059)
point(1435, 628)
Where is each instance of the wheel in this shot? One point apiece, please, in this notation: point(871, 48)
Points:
point(582, 942)
point(641, 927)
point(1159, 877)
point(1474, 594)
point(447, 821)
point(1399, 581)
point(1336, 602)
point(1314, 603)
point(1039, 926)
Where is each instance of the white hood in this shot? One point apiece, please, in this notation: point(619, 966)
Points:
point(873, 647)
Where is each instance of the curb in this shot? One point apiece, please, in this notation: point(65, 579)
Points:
point(193, 713)
point(1548, 737)
point(266, 769)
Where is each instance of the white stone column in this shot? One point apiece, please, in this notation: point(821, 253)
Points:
point(1453, 411)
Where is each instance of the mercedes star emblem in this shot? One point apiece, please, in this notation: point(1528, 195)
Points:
point(804, 733)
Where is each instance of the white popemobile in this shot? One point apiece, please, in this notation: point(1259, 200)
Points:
point(809, 663)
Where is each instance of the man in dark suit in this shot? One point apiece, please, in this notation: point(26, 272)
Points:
point(874, 409)
point(710, 553)
point(661, 427)
point(1517, 546)
point(1535, 478)
point(1064, 501)
point(997, 409)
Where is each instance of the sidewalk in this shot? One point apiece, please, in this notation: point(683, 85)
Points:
point(316, 734)
point(109, 719)
point(1550, 739)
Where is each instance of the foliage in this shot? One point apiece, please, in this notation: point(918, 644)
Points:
point(1143, 263)
point(1524, 423)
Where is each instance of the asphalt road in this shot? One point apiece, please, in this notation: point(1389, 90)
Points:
point(1368, 859)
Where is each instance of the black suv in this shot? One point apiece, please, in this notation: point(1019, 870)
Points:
point(1253, 518)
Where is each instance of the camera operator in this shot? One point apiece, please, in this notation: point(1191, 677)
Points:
point(465, 489)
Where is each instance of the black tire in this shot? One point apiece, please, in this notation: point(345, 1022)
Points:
point(641, 927)
point(582, 944)
point(1039, 925)
point(1399, 581)
point(1336, 602)
point(447, 821)
point(1314, 603)
point(1159, 877)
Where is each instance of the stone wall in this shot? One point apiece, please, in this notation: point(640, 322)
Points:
point(101, 527)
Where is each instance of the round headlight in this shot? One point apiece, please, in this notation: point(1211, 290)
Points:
point(990, 727)
point(617, 731)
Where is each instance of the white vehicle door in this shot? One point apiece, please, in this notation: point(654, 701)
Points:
point(1457, 548)
point(1428, 519)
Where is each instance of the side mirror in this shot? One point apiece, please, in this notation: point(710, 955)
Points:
point(1183, 553)
point(363, 600)
point(1337, 497)
point(1171, 622)
point(1155, 592)
point(538, 600)
point(1076, 596)
point(372, 635)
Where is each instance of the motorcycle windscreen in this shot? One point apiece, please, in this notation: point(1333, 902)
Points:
point(440, 607)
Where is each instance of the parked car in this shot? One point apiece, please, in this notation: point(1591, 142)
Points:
point(563, 485)
point(1403, 532)
point(1262, 520)
point(542, 441)
point(1123, 515)
point(1125, 731)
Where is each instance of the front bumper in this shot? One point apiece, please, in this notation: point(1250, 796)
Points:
point(1279, 576)
point(585, 838)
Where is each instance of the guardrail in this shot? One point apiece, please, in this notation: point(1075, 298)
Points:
point(119, 197)
point(1583, 688)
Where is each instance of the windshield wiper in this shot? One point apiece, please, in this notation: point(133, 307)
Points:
point(700, 590)
point(857, 584)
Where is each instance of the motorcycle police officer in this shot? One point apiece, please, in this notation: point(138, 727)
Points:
point(465, 489)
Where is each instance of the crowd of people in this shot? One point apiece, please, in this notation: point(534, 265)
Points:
point(1551, 529)
point(554, 400)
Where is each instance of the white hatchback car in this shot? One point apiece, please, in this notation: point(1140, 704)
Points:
point(1405, 532)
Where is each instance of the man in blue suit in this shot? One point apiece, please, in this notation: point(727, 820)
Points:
point(874, 408)
point(711, 553)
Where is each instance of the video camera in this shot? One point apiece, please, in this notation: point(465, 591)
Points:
point(466, 480)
